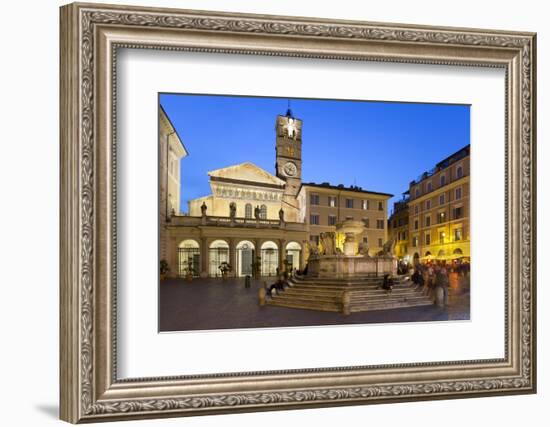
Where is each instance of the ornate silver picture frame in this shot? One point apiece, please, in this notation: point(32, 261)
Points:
point(91, 35)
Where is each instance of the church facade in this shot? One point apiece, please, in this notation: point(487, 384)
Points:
point(261, 222)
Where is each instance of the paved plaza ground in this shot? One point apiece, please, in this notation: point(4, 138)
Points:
point(205, 304)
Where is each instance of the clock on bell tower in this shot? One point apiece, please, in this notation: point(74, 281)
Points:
point(288, 148)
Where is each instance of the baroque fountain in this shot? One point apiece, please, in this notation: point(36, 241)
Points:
point(343, 277)
point(352, 258)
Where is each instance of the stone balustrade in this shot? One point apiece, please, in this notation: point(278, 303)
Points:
point(220, 221)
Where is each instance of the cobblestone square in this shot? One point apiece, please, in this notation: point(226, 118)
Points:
point(207, 304)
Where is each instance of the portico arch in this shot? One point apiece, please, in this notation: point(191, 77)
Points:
point(218, 253)
point(293, 255)
point(245, 258)
point(189, 256)
point(270, 258)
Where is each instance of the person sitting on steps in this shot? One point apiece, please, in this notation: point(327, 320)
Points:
point(387, 283)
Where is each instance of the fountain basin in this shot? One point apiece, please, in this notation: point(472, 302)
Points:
point(349, 266)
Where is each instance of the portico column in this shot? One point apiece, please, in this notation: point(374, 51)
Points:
point(204, 257)
point(232, 257)
point(257, 253)
point(282, 244)
point(172, 256)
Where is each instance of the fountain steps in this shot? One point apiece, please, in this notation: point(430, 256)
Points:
point(308, 294)
point(355, 301)
point(357, 295)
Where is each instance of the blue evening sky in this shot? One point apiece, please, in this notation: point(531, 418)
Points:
point(380, 146)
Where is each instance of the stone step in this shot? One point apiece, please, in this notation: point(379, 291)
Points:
point(375, 289)
point(345, 284)
point(387, 306)
point(354, 294)
point(298, 292)
point(376, 300)
point(306, 306)
point(354, 308)
point(378, 292)
point(346, 280)
point(336, 282)
point(312, 297)
point(368, 299)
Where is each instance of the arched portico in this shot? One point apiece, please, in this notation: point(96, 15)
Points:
point(270, 258)
point(218, 253)
point(293, 255)
point(189, 257)
point(245, 258)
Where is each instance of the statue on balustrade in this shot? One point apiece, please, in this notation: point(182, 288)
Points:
point(203, 209)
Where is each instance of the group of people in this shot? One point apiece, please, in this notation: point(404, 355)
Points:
point(430, 276)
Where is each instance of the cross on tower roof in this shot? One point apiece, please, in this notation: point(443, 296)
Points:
point(288, 111)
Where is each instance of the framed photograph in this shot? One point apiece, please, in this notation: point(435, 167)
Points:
point(266, 212)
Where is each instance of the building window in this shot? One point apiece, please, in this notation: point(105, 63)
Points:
point(349, 203)
point(313, 199)
point(442, 199)
point(458, 234)
point(332, 201)
point(367, 222)
point(441, 217)
point(428, 238)
point(332, 220)
point(380, 243)
point(441, 237)
point(442, 180)
point(349, 218)
point(365, 240)
point(416, 210)
point(315, 239)
point(416, 224)
point(457, 212)
point(415, 241)
point(428, 205)
point(458, 193)
point(248, 211)
point(365, 204)
point(263, 212)
point(380, 224)
point(428, 221)
point(314, 219)
point(459, 172)
point(429, 186)
point(380, 206)
point(417, 192)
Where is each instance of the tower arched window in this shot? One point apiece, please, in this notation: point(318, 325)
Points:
point(248, 211)
point(263, 212)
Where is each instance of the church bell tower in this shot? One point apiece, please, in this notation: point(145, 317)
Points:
point(288, 164)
